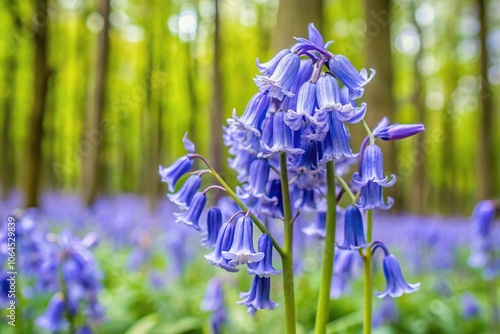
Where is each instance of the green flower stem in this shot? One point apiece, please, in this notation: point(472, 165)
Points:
point(323, 310)
point(346, 187)
point(367, 128)
point(287, 257)
point(368, 277)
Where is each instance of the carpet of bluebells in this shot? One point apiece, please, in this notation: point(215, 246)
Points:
point(128, 270)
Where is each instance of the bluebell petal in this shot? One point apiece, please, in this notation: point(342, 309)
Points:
point(192, 215)
point(223, 243)
point(396, 283)
point(264, 267)
point(185, 195)
point(242, 250)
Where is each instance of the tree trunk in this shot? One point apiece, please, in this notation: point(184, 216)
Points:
point(94, 132)
point(486, 149)
point(217, 107)
point(378, 94)
point(33, 151)
point(293, 19)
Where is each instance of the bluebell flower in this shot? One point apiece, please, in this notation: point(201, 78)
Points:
point(470, 306)
point(396, 283)
point(270, 209)
point(372, 169)
point(218, 319)
point(307, 162)
point(214, 223)
point(223, 243)
point(346, 266)
point(258, 298)
point(257, 181)
point(254, 114)
point(398, 131)
point(242, 250)
point(482, 220)
point(181, 166)
point(214, 296)
point(386, 314)
point(306, 101)
point(304, 75)
point(314, 47)
point(279, 83)
point(282, 139)
point(306, 201)
point(185, 195)
point(54, 318)
point(192, 215)
point(315, 36)
point(318, 228)
point(269, 67)
point(372, 198)
point(336, 143)
point(354, 234)
point(342, 68)
point(264, 267)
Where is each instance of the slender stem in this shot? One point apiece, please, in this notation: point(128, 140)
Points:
point(368, 277)
point(346, 187)
point(287, 257)
point(233, 195)
point(367, 128)
point(323, 310)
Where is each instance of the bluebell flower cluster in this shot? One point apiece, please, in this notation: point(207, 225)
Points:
point(305, 97)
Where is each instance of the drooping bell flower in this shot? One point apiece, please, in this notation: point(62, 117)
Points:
point(396, 283)
point(264, 267)
point(306, 102)
point(278, 84)
point(386, 314)
point(223, 243)
point(269, 67)
point(354, 234)
point(254, 114)
point(307, 162)
point(257, 181)
point(181, 166)
point(282, 140)
point(185, 195)
point(372, 169)
point(242, 250)
point(342, 68)
point(192, 215)
point(346, 266)
point(318, 228)
point(54, 318)
point(336, 143)
point(271, 209)
point(306, 201)
point(258, 298)
point(214, 296)
point(372, 198)
point(482, 241)
point(214, 223)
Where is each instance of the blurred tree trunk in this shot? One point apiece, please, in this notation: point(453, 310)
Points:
point(420, 181)
point(217, 106)
point(33, 151)
point(8, 171)
point(486, 149)
point(94, 132)
point(378, 94)
point(293, 19)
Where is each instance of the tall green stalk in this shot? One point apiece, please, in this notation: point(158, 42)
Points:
point(368, 277)
point(287, 256)
point(323, 310)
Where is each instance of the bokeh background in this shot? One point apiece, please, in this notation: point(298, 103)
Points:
point(95, 94)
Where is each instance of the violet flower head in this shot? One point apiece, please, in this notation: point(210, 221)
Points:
point(372, 169)
point(483, 217)
point(372, 198)
point(318, 228)
point(398, 131)
point(336, 144)
point(482, 220)
point(354, 235)
point(181, 166)
point(306, 102)
point(258, 298)
point(192, 215)
point(214, 223)
point(396, 283)
point(269, 67)
point(254, 114)
point(279, 83)
point(54, 318)
point(185, 195)
point(223, 243)
point(242, 250)
point(342, 68)
point(387, 313)
point(264, 267)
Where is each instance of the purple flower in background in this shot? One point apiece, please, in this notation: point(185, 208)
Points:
point(264, 267)
point(354, 235)
point(258, 177)
point(54, 320)
point(279, 83)
point(470, 306)
point(192, 215)
point(318, 228)
point(223, 243)
point(242, 250)
point(386, 314)
point(214, 296)
point(346, 265)
point(214, 223)
point(342, 68)
point(258, 298)
point(185, 195)
point(396, 283)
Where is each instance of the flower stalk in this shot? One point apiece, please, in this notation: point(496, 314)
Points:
point(368, 276)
